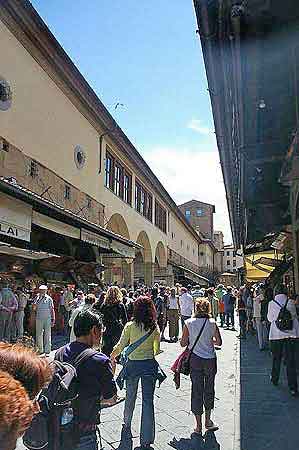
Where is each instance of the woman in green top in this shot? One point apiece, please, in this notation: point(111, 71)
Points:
point(141, 366)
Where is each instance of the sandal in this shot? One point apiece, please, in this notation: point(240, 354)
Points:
point(212, 427)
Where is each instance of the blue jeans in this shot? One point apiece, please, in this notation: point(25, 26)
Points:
point(88, 442)
point(146, 372)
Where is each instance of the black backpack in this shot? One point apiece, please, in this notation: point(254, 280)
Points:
point(284, 321)
point(55, 427)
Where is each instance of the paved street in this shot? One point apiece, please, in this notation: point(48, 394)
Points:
point(248, 417)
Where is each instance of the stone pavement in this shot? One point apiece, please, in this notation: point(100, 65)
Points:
point(251, 413)
point(268, 417)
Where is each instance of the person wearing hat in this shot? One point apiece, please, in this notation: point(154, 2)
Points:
point(45, 319)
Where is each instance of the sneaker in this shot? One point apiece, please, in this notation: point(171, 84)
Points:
point(294, 393)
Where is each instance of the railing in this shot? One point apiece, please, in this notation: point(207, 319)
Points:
point(179, 260)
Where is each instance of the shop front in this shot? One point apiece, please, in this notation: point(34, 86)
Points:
point(41, 242)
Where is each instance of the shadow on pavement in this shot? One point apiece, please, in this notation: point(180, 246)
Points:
point(269, 416)
point(125, 444)
point(207, 442)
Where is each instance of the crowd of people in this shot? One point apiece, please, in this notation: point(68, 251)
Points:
point(107, 327)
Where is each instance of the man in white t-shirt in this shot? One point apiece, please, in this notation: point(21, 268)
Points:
point(186, 305)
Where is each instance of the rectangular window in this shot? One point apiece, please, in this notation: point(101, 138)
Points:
point(137, 197)
point(199, 212)
point(234, 263)
point(33, 170)
point(228, 262)
point(127, 187)
point(88, 202)
point(227, 253)
point(160, 217)
point(149, 207)
point(187, 213)
point(143, 201)
point(108, 171)
point(67, 192)
point(234, 253)
point(4, 145)
point(118, 179)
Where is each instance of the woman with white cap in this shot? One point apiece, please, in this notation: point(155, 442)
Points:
point(45, 319)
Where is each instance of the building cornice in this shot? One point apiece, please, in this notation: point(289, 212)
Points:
point(27, 26)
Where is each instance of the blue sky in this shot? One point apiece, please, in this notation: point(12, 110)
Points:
point(147, 55)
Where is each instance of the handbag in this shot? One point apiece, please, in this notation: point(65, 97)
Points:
point(186, 356)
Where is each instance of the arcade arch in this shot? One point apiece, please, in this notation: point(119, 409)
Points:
point(143, 263)
point(118, 270)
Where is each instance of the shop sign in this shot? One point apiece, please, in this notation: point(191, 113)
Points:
point(15, 218)
point(95, 239)
point(14, 231)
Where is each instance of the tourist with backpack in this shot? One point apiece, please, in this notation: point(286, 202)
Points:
point(94, 380)
point(284, 330)
point(70, 405)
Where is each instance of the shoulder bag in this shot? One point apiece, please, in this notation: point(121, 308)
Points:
point(124, 357)
point(185, 361)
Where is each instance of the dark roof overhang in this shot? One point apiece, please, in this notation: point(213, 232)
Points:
point(250, 52)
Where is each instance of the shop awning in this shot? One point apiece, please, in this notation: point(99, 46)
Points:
point(122, 250)
point(8, 249)
point(65, 220)
point(259, 266)
point(55, 225)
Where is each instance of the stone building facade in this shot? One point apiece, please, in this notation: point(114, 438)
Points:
point(200, 215)
point(58, 139)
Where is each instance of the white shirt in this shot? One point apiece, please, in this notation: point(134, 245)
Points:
point(205, 346)
point(72, 319)
point(257, 306)
point(186, 304)
point(173, 302)
point(273, 311)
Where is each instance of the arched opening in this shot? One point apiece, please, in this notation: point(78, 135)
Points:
point(118, 271)
point(118, 225)
point(160, 266)
point(143, 263)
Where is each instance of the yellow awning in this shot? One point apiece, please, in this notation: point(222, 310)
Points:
point(260, 265)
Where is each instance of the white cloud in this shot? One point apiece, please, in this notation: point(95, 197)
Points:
point(189, 174)
point(199, 127)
